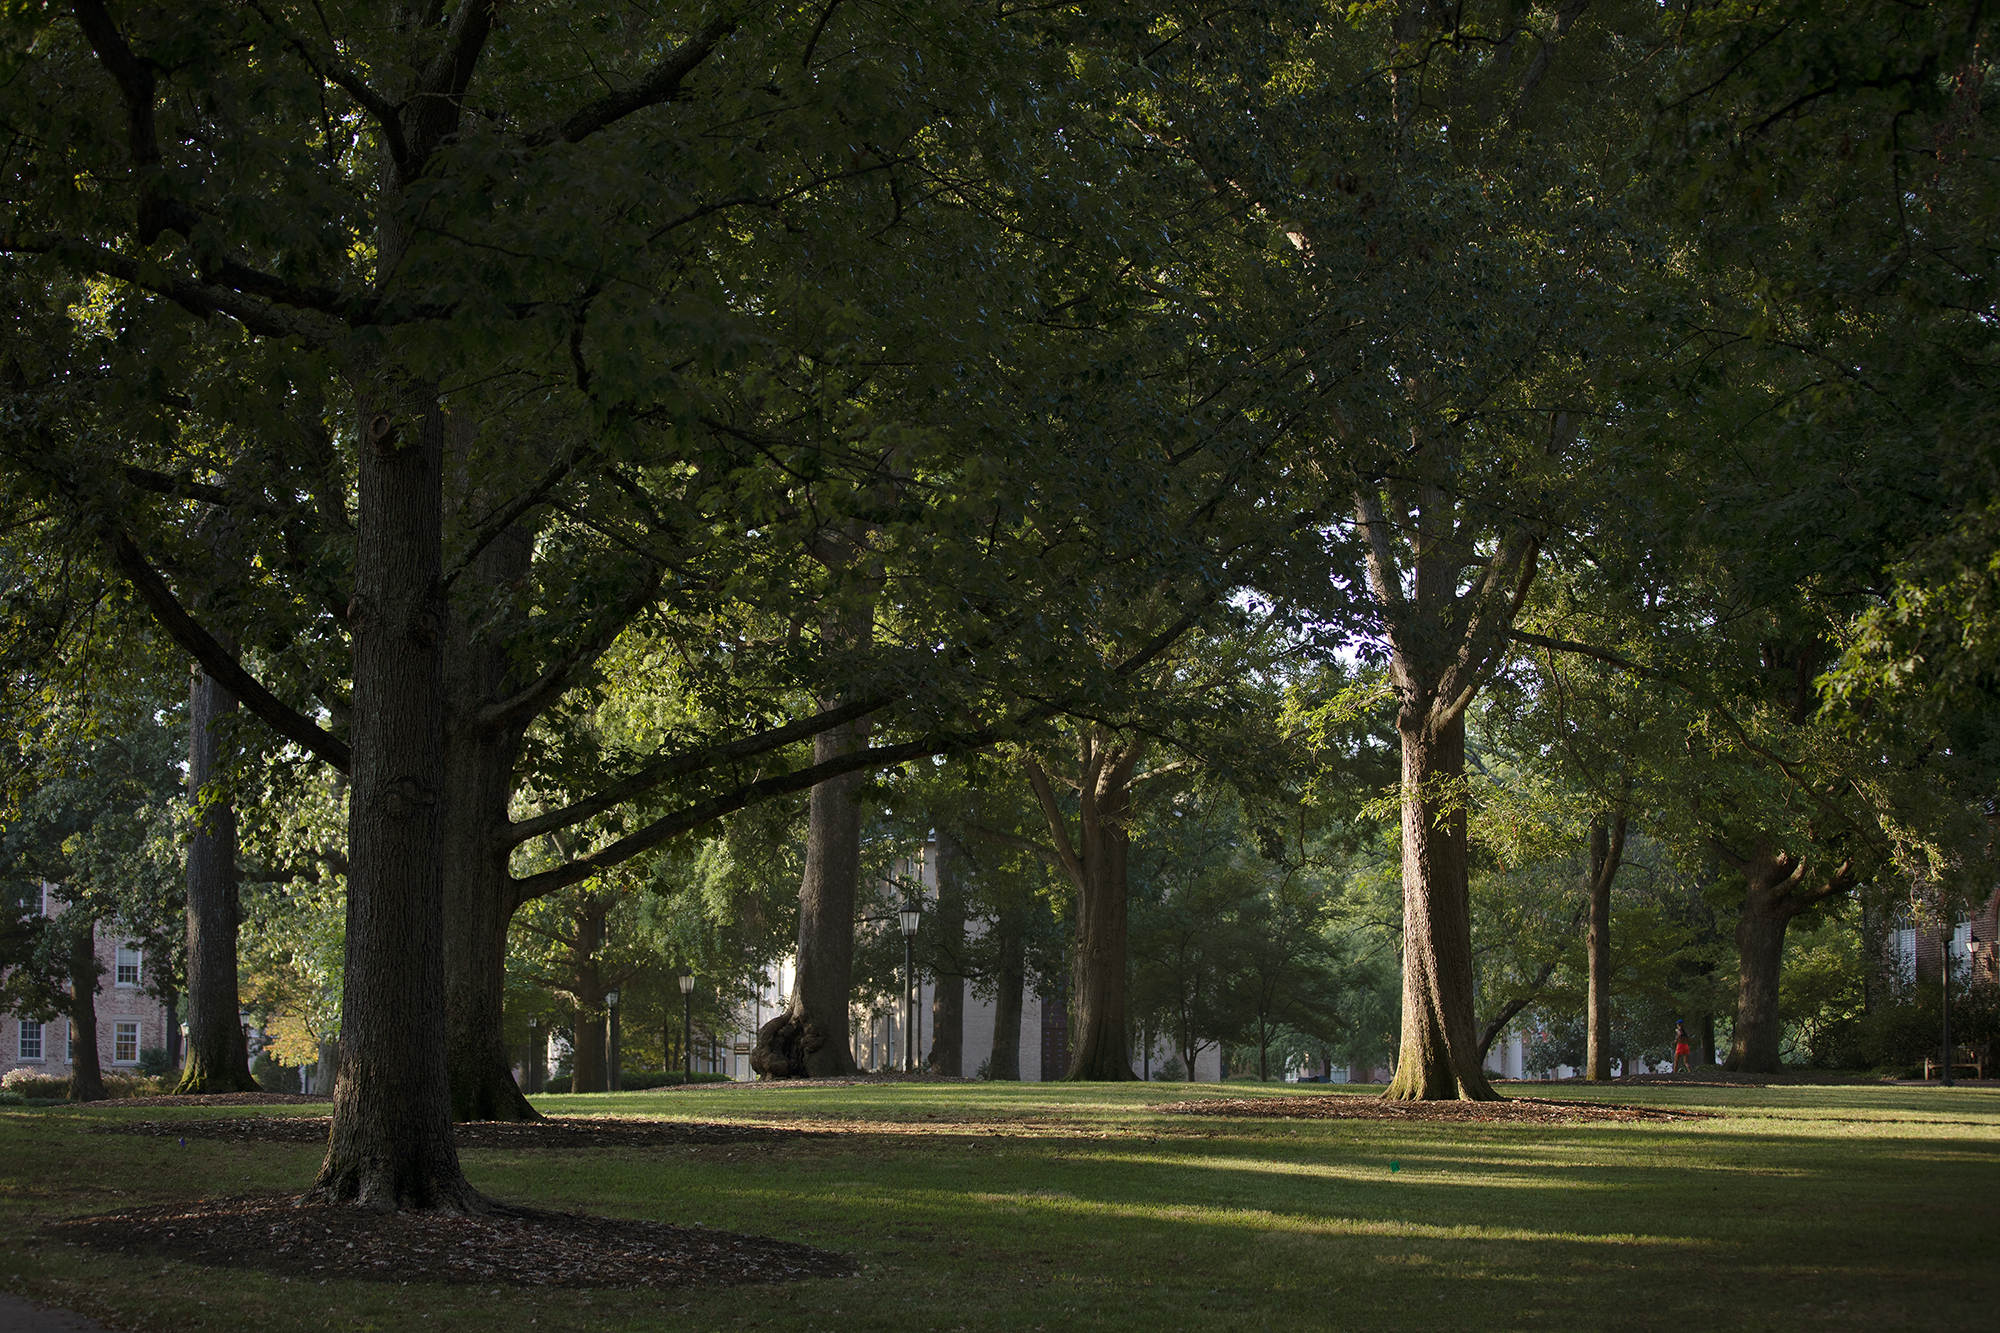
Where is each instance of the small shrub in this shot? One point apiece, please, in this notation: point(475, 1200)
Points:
point(155, 1061)
point(26, 1082)
point(985, 1070)
point(1173, 1071)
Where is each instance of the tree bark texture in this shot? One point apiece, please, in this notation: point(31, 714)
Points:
point(1010, 984)
point(218, 1055)
point(947, 1056)
point(1607, 850)
point(810, 1039)
point(86, 1074)
point(1095, 861)
point(480, 893)
point(1439, 1058)
point(1776, 890)
point(391, 1144)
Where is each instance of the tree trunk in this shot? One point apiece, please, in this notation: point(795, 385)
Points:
point(1774, 893)
point(391, 1144)
point(1707, 1039)
point(948, 1008)
point(1607, 851)
point(810, 1039)
point(1760, 951)
point(586, 987)
point(1095, 862)
point(1101, 1038)
point(218, 1057)
point(86, 1076)
point(1439, 1058)
point(480, 897)
point(1010, 983)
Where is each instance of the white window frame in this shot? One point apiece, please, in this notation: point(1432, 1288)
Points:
point(41, 1040)
point(119, 1030)
point(128, 956)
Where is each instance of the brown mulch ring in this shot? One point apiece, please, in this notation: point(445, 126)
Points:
point(219, 1099)
point(518, 1247)
point(556, 1132)
point(1347, 1106)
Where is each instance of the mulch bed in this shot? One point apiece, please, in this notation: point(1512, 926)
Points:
point(518, 1247)
point(556, 1132)
point(1347, 1106)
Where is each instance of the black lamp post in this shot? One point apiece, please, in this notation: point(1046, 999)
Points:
point(687, 1028)
point(1944, 972)
point(613, 1076)
point(910, 916)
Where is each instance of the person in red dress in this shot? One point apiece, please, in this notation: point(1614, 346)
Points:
point(1681, 1061)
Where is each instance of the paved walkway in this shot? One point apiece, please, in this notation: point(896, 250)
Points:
point(18, 1316)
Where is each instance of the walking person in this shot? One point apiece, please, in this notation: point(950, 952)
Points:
point(1682, 1062)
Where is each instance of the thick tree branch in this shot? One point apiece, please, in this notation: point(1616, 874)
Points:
point(1045, 796)
point(1019, 843)
point(702, 812)
point(387, 115)
point(162, 483)
point(1512, 1008)
point(1383, 576)
point(532, 699)
point(669, 767)
point(137, 89)
point(490, 527)
point(661, 84)
point(198, 298)
point(1581, 650)
point(220, 663)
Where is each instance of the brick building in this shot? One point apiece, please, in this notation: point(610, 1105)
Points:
point(128, 1019)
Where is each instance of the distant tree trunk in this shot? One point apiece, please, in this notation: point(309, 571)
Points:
point(218, 1057)
point(1708, 1039)
point(391, 1144)
point(810, 1039)
point(86, 1076)
point(1607, 851)
point(1775, 892)
point(1010, 982)
point(586, 988)
point(948, 918)
point(1095, 861)
point(329, 1067)
point(1439, 1059)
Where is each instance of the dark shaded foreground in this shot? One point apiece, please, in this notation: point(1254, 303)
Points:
point(517, 1247)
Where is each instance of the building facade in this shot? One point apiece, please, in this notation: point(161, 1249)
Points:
point(129, 1021)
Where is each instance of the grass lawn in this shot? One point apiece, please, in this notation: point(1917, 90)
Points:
point(1032, 1206)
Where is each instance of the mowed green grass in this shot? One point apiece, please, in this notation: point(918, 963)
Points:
point(1030, 1206)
